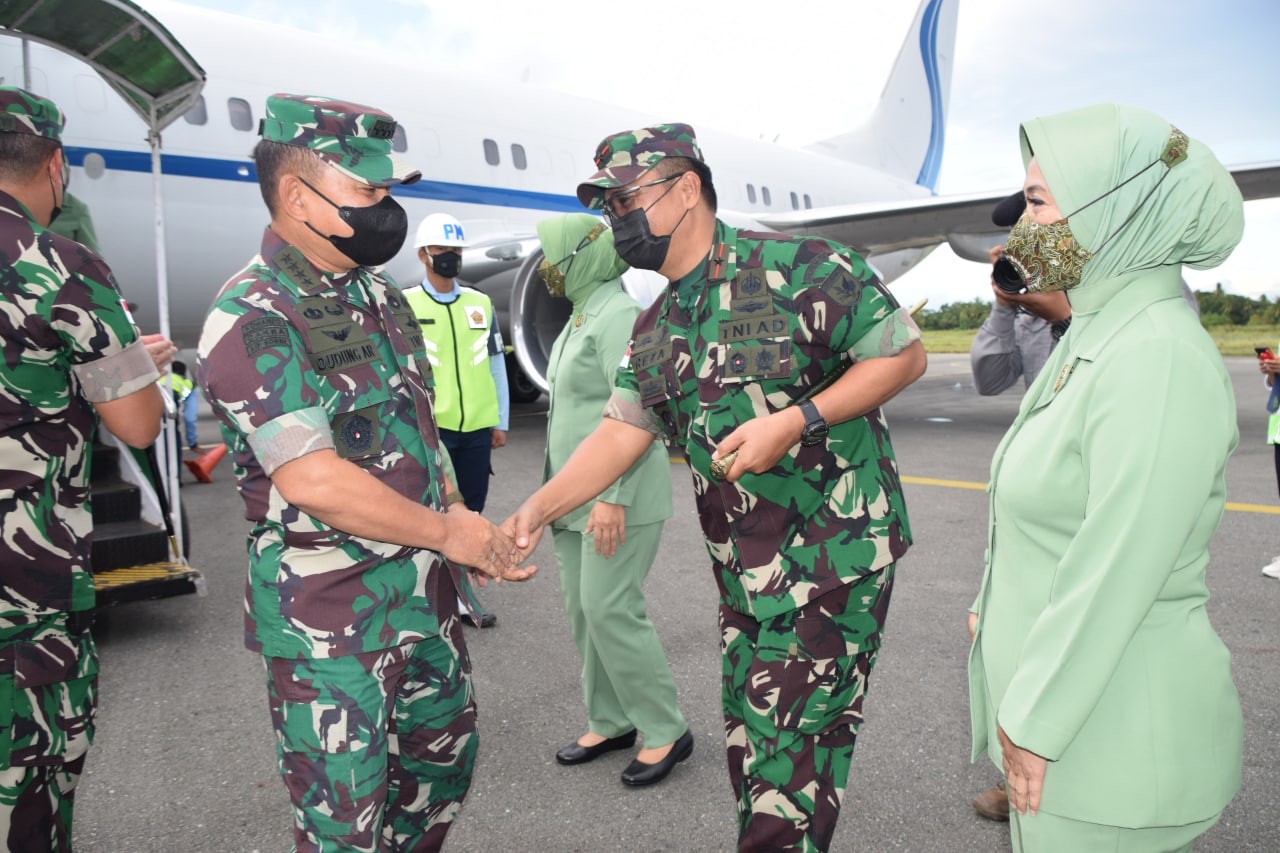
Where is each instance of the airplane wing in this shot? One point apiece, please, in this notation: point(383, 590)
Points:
point(963, 221)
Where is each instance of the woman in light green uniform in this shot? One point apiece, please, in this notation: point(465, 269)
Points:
point(1096, 681)
point(606, 548)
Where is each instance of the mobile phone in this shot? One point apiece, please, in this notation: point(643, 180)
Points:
point(1264, 353)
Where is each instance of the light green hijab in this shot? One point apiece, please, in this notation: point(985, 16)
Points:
point(595, 264)
point(1195, 215)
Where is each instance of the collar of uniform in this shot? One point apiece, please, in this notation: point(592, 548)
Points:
point(443, 298)
point(291, 265)
point(11, 204)
point(1094, 328)
point(595, 301)
point(722, 260)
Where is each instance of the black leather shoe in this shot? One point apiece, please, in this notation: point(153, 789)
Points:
point(639, 773)
point(576, 753)
point(487, 619)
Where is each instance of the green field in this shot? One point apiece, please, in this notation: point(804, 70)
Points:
point(1231, 340)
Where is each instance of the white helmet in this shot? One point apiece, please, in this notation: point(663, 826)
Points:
point(440, 229)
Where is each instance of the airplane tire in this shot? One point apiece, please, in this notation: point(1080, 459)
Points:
point(522, 388)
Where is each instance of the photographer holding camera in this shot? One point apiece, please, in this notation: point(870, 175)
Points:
point(1022, 329)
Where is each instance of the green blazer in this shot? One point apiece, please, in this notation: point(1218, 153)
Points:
point(580, 371)
point(1093, 648)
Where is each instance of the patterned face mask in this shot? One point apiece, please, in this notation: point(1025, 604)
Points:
point(1047, 257)
point(552, 274)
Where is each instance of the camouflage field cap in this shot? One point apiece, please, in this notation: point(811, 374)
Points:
point(624, 157)
point(23, 112)
point(353, 138)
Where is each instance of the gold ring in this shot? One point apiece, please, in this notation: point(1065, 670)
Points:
point(720, 467)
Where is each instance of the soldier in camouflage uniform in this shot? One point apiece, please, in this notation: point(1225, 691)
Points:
point(314, 365)
point(72, 357)
point(806, 526)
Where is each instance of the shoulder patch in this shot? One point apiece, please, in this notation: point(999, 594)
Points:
point(263, 334)
point(842, 287)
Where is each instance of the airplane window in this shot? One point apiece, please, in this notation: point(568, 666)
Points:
point(751, 193)
point(241, 113)
point(491, 152)
point(198, 113)
point(795, 202)
point(808, 202)
point(764, 194)
point(399, 142)
point(517, 156)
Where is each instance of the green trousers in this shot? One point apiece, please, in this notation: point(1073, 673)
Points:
point(1046, 833)
point(626, 682)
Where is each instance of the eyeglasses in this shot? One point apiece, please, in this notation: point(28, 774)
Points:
point(611, 212)
point(553, 275)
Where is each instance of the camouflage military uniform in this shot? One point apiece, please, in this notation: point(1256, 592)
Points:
point(68, 342)
point(804, 553)
point(369, 680)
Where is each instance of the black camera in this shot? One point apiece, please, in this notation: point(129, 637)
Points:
point(1006, 276)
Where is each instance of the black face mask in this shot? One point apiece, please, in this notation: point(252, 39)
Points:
point(635, 243)
point(57, 208)
point(380, 230)
point(446, 264)
point(66, 181)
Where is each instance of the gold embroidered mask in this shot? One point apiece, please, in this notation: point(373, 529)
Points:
point(1047, 257)
point(551, 273)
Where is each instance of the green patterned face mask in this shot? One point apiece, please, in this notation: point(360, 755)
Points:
point(1047, 257)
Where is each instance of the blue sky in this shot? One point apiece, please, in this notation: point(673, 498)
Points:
point(813, 68)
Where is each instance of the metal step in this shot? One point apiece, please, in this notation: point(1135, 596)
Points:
point(127, 543)
point(145, 582)
point(115, 499)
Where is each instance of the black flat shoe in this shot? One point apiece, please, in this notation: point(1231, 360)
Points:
point(576, 753)
point(639, 773)
point(487, 619)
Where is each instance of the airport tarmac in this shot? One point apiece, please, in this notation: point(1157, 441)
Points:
point(185, 757)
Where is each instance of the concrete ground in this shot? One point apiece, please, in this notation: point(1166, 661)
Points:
point(185, 757)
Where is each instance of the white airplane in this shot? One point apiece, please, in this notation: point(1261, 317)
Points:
point(498, 157)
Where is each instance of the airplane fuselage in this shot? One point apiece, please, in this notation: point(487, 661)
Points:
point(499, 157)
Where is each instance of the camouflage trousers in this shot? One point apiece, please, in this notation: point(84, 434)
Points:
point(376, 749)
point(792, 695)
point(48, 694)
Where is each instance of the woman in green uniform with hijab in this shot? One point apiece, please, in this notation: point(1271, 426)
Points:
point(1096, 681)
point(606, 548)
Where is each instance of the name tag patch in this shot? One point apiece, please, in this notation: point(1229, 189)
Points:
point(772, 325)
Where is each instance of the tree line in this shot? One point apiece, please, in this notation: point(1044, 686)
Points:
point(1217, 308)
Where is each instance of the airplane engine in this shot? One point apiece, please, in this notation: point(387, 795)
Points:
point(537, 317)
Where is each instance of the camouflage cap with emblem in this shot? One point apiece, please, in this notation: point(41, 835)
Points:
point(353, 138)
point(624, 157)
point(23, 112)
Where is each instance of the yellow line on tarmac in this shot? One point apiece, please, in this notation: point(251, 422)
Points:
point(1266, 509)
point(950, 484)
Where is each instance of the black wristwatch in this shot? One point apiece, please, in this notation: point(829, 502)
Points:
point(815, 427)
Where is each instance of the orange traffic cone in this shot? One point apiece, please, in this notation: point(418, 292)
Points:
point(205, 462)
